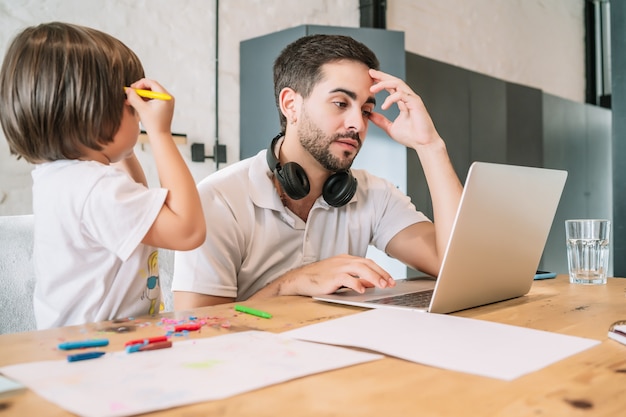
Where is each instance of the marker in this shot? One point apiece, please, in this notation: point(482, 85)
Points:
point(253, 311)
point(84, 356)
point(189, 327)
point(148, 346)
point(151, 94)
point(146, 341)
point(84, 344)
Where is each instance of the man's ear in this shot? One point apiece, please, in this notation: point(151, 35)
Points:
point(290, 103)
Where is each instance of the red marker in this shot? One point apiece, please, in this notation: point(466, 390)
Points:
point(189, 327)
point(146, 341)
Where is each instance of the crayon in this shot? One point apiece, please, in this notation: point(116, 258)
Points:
point(81, 344)
point(84, 356)
point(253, 311)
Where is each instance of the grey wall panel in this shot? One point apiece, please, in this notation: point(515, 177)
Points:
point(599, 192)
point(599, 169)
point(564, 147)
point(618, 133)
point(524, 125)
point(577, 138)
point(488, 119)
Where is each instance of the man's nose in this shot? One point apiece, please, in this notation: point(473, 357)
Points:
point(356, 121)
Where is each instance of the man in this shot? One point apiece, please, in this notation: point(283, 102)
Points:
point(294, 219)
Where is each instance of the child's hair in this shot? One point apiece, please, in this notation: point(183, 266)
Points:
point(61, 90)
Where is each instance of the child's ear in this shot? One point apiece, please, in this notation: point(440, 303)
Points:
point(129, 108)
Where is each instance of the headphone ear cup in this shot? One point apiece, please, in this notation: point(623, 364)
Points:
point(339, 189)
point(270, 157)
point(294, 180)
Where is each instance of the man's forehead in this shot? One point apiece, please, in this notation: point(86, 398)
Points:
point(344, 67)
point(345, 77)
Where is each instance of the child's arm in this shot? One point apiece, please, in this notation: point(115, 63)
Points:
point(132, 166)
point(180, 224)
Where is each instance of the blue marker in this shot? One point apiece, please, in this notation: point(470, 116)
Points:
point(136, 347)
point(84, 344)
point(84, 356)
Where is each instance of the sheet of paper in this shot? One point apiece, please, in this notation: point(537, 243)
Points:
point(9, 387)
point(123, 384)
point(456, 343)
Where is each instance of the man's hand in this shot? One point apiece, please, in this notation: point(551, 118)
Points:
point(413, 126)
point(329, 275)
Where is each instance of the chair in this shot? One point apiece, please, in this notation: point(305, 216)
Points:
point(17, 275)
point(166, 273)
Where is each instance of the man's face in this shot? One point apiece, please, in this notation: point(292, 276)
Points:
point(333, 120)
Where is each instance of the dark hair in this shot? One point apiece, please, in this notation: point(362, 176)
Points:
point(61, 90)
point(299, 65)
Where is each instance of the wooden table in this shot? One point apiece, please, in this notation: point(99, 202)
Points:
point(592, 383)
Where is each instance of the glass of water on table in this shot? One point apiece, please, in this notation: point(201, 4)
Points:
point(588, 250)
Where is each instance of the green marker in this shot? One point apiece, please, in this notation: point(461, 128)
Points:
point(253, 311)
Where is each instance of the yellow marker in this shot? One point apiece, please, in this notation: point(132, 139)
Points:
point(151, 94)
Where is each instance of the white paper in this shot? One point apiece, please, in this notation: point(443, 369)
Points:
point(473, 346)
point(123, 384)
point(9, 387)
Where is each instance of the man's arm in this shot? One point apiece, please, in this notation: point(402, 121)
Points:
point(420, 246)
point(445, 191)
point(415, 246)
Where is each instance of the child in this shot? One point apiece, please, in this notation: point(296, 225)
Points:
point(65, 108)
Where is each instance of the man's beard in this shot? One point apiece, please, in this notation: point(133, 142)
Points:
point(314, 141)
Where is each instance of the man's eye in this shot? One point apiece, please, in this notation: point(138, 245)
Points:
point(367, 111)
point(340, 104)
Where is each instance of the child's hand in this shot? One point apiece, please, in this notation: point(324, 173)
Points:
point(155, 115)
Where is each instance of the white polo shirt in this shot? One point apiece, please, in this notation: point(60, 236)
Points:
point(253, 239)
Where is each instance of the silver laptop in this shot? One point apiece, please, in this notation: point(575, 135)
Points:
point(497, 239)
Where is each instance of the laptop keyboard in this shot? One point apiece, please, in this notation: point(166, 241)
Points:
point(419, 299)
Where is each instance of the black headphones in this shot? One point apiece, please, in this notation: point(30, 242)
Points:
point(338, 189)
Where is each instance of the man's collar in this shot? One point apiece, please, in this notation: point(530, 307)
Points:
point(263, 193)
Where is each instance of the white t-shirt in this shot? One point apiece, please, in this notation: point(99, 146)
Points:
point(90, 264)
point(253, 239)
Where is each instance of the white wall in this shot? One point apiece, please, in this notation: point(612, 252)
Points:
point(539, 43)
